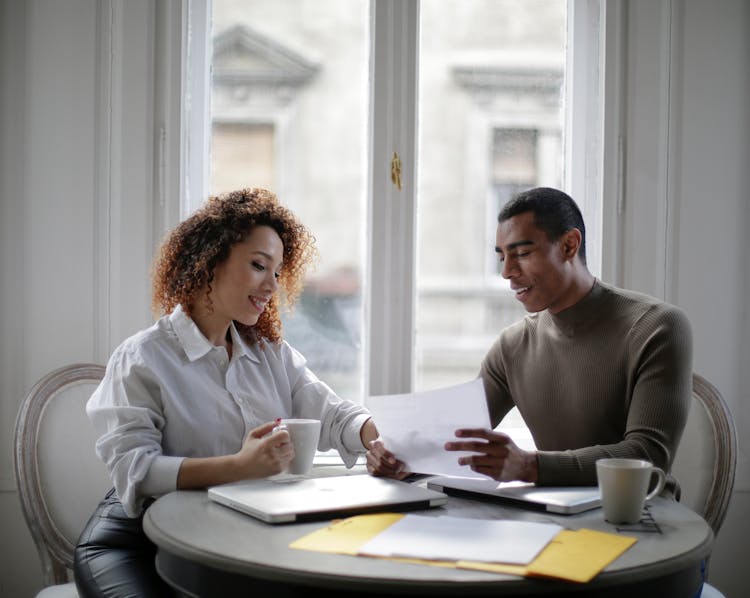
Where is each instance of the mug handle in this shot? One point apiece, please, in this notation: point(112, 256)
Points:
point(659, 484)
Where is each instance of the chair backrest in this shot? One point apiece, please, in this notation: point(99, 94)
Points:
point(60, 480)
point(706, 459)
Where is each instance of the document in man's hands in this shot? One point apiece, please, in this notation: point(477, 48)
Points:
point(416, 426)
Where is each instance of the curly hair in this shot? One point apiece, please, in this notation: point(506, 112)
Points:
point(185, 264)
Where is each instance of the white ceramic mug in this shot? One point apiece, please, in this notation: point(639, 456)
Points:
point(623, 484)
point(304, 434)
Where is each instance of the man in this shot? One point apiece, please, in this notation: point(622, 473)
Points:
point(594, 370)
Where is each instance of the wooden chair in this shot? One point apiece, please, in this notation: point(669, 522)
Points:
point(706, 460)
point(60, 480)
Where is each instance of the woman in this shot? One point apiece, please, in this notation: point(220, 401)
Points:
point(192, 401)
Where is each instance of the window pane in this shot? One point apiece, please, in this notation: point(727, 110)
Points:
point(289, 113)
point(496, 67)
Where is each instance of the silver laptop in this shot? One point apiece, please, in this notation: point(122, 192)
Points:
point(293, 498)
point(558, 499)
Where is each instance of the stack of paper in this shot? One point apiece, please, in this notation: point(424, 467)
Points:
point(511, 547)
point(460, 539)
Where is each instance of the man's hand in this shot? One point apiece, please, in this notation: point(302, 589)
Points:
point(381, 462)
point(497, 455)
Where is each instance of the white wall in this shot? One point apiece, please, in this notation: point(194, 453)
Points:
point(76, 215)
point(683, 234)
point(77, 220)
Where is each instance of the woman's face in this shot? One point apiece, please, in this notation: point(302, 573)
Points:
point(247, 280)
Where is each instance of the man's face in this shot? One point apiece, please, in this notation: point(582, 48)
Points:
point(540, 271)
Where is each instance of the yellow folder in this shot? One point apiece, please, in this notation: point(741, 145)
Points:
point(573, 555)
point(345, 536)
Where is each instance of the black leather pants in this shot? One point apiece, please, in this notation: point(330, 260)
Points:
point(114, 558)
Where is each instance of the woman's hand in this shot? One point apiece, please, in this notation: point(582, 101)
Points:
point(381, 462)
point(498, 456)
point(264, 452)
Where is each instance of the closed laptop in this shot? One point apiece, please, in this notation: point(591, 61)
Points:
point(566, 500)
point(292, 498)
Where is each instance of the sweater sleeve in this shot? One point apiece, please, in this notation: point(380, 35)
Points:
point(492, 372)
point(660, 387)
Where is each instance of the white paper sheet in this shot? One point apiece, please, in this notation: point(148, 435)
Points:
point(462, 539)
point(416, 426)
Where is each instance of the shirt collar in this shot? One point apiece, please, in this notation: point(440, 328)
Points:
point(240, 346)
point(195, 344)
point(581, 315)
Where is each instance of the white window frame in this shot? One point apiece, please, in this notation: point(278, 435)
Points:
point(390, 283)
point(390, 288)
point(583, 169)
point(195, 126)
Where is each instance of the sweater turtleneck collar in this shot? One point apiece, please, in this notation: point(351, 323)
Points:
point(579, 316)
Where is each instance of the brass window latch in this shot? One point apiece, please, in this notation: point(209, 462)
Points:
point(396, 170)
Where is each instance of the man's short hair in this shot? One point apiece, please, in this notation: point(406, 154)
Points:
point(554, 211)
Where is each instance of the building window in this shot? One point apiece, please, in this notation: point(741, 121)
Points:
point(242, 152)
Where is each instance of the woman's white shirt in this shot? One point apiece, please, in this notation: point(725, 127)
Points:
point(168, 394)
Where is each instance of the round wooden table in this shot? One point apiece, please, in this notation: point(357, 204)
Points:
point(206, 549)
